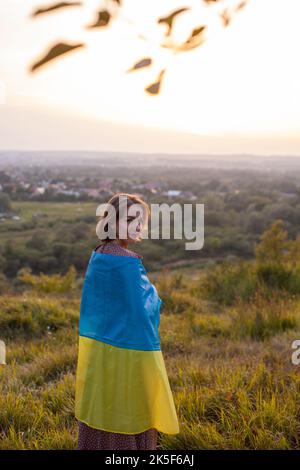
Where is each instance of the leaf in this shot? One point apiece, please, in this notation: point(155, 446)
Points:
point(240, 6)
point(103, 19)
point(196, 33)
point(154, 88)
point(56, 51)
point(226, 18)
point(195, 40)
point(56, 6)
point(142, 63)
point(170, 19)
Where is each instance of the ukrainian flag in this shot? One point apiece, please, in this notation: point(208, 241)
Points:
point(121, 380)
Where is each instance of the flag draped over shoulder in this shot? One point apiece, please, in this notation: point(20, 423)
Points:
point(121, 380)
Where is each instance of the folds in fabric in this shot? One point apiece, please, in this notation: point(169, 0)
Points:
point(119, 303)
point(123, 390)
point(121, 382)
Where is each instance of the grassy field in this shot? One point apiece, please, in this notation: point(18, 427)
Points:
point(35, 215)
point(49, 237)
point(228, 361)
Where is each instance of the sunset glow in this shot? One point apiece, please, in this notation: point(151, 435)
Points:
point(243, 82)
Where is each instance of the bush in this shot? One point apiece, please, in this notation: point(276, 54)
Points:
point(49, 284)
point(33, 317)
point(5, 203)
point(225, 282)
point(274, 276)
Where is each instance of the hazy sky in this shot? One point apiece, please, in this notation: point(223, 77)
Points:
point(238, 93)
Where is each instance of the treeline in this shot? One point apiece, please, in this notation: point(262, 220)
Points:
point(239, 207)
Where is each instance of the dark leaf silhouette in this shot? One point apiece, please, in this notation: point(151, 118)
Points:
point(168, 20)
point(195, 39)
point(154, 88)
point(142, 63)
point(56, 51)
point(105, 16)
point(196, 32)
point(55, 6)
point(103, 19)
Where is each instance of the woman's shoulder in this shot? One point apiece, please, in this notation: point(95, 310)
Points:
point(113, 248)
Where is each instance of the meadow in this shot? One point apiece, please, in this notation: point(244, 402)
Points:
point(226, 334)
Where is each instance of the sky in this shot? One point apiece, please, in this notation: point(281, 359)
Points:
point(237, 93)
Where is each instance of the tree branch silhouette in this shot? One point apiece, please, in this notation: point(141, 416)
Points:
point(112, 9)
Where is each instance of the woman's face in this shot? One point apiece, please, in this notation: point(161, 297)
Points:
point(131, 226)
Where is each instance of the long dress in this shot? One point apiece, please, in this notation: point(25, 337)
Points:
point(92, 438)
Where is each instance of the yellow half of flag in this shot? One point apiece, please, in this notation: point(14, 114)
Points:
point(123, 390)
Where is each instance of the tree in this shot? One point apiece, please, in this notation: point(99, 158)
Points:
point(112, 9)
point(5, 203)
point(293, 255)
point(39, 240)
point(274, 244)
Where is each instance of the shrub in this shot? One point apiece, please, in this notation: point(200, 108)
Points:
point(274, 276)
point(225, 282)
point(51, 284)
point(32, 316)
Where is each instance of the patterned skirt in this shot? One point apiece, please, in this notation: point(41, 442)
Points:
point(97, 439)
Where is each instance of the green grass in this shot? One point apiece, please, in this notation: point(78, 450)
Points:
point(229, 367)
point(35, 215)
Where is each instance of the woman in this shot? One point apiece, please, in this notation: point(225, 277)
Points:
point(123, 397)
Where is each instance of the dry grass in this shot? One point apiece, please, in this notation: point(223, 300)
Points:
point(229, 366)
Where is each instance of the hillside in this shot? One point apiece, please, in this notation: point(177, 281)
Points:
point(226, 335)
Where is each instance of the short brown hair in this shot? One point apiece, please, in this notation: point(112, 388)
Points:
point(115, 202)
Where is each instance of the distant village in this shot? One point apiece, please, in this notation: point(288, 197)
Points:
point(82, 185)
point(20, 185)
